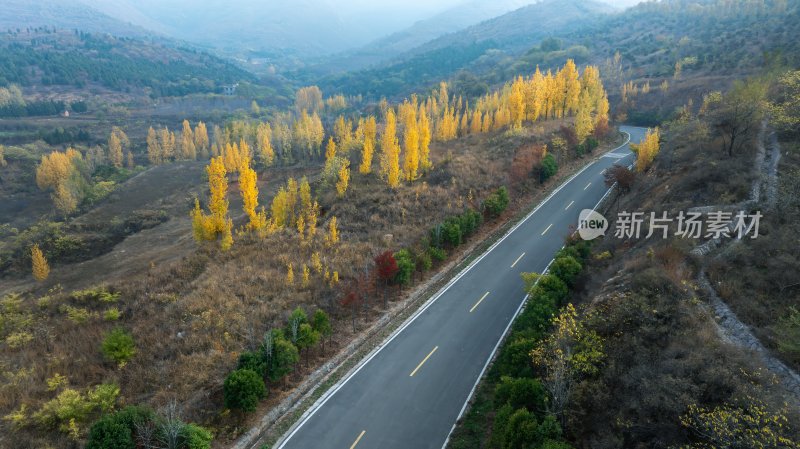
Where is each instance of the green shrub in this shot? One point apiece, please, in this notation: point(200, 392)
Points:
point(438, 254)
point(405, 263)
point(515, 357)
point(787, 333)
point(118, 346)
point(116, 430)
point(253, 361)
point(196, 437)
point(112, 314)
point(567, 269)
point(496, 202)
point(548, 169)
point(243, 389)
point(424, 262)
point(552, 288)
point(451, 233)
point(108, 433)
point(520, 392)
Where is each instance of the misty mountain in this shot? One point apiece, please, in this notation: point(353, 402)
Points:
point(453, 19)
point(252, 28)
point(20, 14)
point(507, 35)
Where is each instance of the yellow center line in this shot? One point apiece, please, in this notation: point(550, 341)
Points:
point(482, 298)
point(358, 439)
point(419, 366)
point(518, 258)
point(570, 204)
point(587, 186)
point(548, 228)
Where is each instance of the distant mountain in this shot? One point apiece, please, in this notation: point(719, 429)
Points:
point(452, 19)
point(275, 30)
point(21, 14)
point(74, 61)
point(507, 35)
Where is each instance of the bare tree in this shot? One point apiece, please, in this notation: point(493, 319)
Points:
point(171, 426)
point(737, 115)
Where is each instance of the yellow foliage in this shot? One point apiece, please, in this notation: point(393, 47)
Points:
point(289, 274)
point(647, 150)
point(188, 148)
point(424, 127)
point(333, 232)
point(390, 151)
point(40, 267)
point(369, 130)
point(344, 179)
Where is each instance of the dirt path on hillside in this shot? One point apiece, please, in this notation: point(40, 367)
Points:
point(730, 328)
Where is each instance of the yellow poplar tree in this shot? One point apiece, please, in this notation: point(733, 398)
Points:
point(289, 274)
point(201, 142)
point(424, 140)
point(647, 150)
point(584, 125)
point(154, 153)
point(264, 143)
point(411, 144)
point(114, 150)
point(330, 150)
point(390, 151)
point(344, 179)
point(516, 100)
point(39, 265)
point(188, 149)
point(249, 191)
point(368, 149)
point(333, 232)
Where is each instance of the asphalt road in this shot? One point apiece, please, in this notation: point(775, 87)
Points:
point(409, 393)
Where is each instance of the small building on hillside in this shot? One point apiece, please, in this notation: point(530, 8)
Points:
point(230, 89)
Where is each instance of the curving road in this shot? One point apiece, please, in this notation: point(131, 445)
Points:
point(409, 392)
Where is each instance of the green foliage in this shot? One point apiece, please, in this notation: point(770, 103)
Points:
point(112, 314)
point(321, 323)
point(100, 294)
point(548, 169)
point(496, 202)
point(438, 254)
point(787, 333)
point(118, 346)
point(514, 359)
point(243, 389)
point(548, 288)
point(307, 337)
point(785, 107)
point(406, 265)
point(254, 361)
point(71, 408)
point(116, 430)
point(424, 261)
point(110, 433)
point(566, 268)
point(196, 437)
point(282, 358)
point(521, 393)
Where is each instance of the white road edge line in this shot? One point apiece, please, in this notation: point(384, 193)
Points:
point(353, 371)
